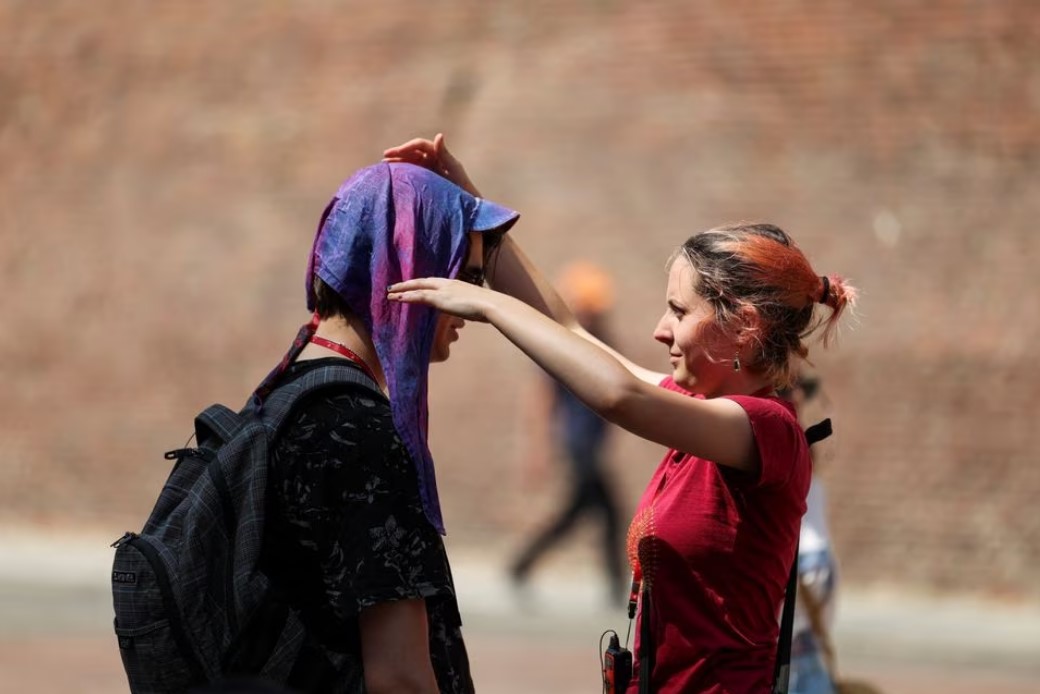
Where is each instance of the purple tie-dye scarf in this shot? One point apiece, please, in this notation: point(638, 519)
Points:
point(390, 222)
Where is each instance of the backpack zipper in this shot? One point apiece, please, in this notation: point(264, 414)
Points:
point(178, 453)
point(228, 514)
point(127, 536)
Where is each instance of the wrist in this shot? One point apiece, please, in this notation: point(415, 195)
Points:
point(492, 308)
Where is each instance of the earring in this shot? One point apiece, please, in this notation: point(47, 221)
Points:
point(736, 362)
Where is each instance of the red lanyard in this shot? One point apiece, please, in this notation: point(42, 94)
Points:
point(346, 352)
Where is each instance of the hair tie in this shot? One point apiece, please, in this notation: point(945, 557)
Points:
point(826, 289)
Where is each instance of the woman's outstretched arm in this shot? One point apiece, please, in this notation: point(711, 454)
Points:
point(509, 270)
point(512, 272)
point(716, 429)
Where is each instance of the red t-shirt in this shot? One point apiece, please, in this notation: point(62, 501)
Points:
point(716, 546)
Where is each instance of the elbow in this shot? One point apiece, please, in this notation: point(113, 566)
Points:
point(619, 399)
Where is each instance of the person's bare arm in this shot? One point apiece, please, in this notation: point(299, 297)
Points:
point(512, 272)
point(395, 648)
point(509, 271)
point(716, 429)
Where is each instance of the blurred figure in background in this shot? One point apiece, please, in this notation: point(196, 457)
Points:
point(813, 666)
point(563, 423)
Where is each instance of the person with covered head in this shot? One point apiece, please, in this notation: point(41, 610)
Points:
point(353, 537)
point(715, 533)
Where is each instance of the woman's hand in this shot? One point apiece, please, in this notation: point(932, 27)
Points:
point(433, 155)
point(462, 299)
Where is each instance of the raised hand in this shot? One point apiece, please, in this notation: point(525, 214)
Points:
point(433, 155)
point(458, 298)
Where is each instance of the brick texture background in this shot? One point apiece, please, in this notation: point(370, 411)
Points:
point(163, 165)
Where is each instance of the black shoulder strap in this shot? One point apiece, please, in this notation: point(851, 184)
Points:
point(782, 669)
point(219, 424)
point(819, 431)
point(280, 402)
point(647, 647)
point(216, 422)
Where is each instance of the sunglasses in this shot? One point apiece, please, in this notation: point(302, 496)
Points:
point(472, 275)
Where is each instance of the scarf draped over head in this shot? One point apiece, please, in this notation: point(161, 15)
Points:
point(387, 223)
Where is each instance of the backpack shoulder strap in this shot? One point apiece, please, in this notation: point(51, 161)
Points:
point(281, 401)
point(217, 422)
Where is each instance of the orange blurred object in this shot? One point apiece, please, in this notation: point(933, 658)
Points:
point(586, 287)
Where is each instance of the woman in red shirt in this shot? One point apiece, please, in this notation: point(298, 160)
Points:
point(716, 530)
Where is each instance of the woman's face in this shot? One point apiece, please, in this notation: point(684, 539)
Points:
point(697, 347)
point(448, 326)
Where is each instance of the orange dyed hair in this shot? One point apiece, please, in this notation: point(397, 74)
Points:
point(758, 266)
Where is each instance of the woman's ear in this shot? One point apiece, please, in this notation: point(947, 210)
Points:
point(748, 326)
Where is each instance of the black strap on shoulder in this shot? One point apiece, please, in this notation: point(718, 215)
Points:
point(782, 669)
point(819, 431)
point(252, 647)
point(216, 424)
point(647, 647)
point(280, 402)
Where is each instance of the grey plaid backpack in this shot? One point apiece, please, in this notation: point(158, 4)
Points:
point(191, 605)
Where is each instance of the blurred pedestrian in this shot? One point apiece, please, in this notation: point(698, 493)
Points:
point(581, 436)
point(714, 536)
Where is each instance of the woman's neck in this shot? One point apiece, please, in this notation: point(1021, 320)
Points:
point(350, 333)
point(743, 383)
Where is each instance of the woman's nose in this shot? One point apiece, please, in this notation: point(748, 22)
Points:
point(662, 333)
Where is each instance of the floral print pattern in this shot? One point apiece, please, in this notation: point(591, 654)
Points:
point(347, 530)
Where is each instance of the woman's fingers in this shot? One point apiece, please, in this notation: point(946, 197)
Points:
point(435, 156)
point(417, 145)
point(411, 156)
point(413, 296)
point(417, 283)
point(421, 290)
point(450, 296)
point(419, 152)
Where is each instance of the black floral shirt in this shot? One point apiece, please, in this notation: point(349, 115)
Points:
point(346, 530)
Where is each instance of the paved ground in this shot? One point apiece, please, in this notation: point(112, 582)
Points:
point(55, 636)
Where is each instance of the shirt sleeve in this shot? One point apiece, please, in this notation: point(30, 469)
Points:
point(351, 498)
point(778, 436)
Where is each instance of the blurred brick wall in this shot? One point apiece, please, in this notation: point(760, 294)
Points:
point(163, 165)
